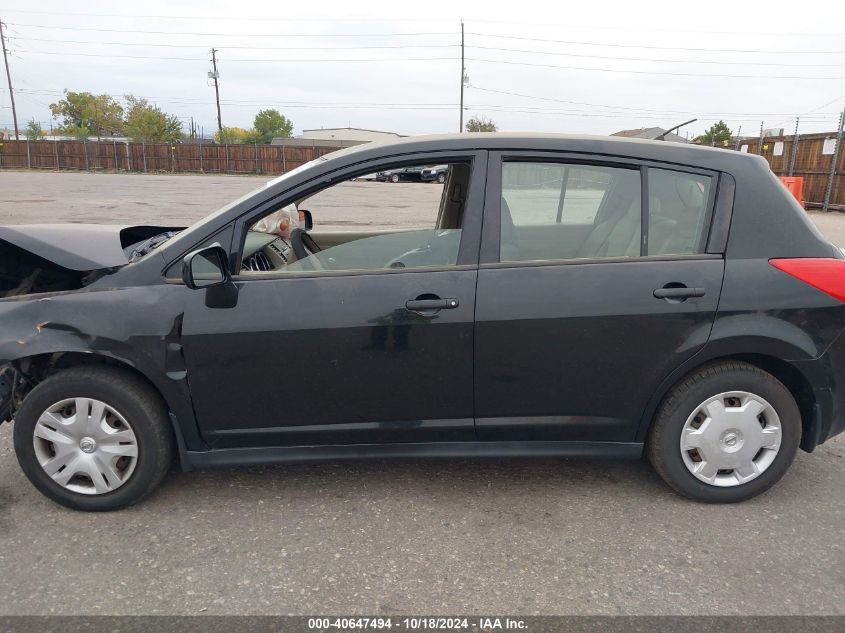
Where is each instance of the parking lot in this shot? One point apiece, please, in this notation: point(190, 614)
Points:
point(548, 536)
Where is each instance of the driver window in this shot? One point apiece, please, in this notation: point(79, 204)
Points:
point(405, 216)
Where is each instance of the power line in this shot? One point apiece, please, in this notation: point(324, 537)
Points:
point(257, 48)
point(419, 59)
point(206, 34)
point(615, 115)
point(653, 59)
point(652, 47)
point(429, 46)
point(616, 111)
point(251, 60)
point(667, 112)
point(65, 14)
point(649, 72)
point(569, 25)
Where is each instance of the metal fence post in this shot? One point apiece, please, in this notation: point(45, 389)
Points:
point(832, 175)
point(226, 150)
point(284, 160)
point(760, 144)
point(201, 167)
point(794, 153)
point(85, 152)
point(128, 162)
point(56, 147)
point(144, 155)
point(257, 171)
point(28, 156)
point(738, 138)
point(114, 148)
point(173, 159)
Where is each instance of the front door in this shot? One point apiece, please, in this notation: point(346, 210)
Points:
point(596, 286)
point(368, 341)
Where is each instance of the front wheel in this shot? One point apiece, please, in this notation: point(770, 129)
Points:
point(394, 178)
point(93, 438)
point(726, 433)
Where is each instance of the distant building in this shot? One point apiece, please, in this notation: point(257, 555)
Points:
point(349, 134)
point(650, 133)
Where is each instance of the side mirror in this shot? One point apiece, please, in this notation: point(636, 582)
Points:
point(206, 268)
point(305, 219)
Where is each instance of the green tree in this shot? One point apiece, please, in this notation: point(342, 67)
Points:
point(269, 124)
point(719, 134)
point(79, 132)
point(33, 130)
point(100, 114)
point(231, 136)
point(147, 123)
point(481, 124)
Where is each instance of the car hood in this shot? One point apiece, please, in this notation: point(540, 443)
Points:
point(81, 247)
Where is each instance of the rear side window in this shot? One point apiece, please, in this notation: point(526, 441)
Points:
point(564, 211)
point(556, 210)
point(677, 211)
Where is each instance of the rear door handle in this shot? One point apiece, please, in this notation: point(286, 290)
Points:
point(429, 305)
point(676, 292)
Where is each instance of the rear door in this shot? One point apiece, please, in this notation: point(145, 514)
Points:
point(595, 283)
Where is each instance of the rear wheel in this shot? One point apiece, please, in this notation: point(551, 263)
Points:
point(726, 433)
point(93, 438)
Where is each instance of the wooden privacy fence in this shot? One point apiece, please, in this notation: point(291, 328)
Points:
point(156, 157)
point(811, 163)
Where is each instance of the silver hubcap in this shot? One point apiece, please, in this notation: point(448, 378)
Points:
point(731, 438)
point(85, 446)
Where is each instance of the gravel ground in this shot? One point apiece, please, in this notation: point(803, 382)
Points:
point(510, 536)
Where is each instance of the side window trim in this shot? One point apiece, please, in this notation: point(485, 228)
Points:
point(644, 211)
point(716, 219)
point(722, 210)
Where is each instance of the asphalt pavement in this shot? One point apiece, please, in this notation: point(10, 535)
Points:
point(405, 537)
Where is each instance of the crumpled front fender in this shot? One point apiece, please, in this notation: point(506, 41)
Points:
point(138, 327)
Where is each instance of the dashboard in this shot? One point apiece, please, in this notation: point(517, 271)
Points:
point(264, 252)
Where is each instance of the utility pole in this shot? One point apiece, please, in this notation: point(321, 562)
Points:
point(463, 75)
point(794, 149)
point(738, 137)
point(836, 149)
point(760, 144)
point(9, 79)
point(216, 75)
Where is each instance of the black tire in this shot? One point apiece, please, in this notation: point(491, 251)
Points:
point(663, 446)
point(441, 178)
point(394, 178)
point(138, 402)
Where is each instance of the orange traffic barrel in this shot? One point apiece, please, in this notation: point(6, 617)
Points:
point(795, 184)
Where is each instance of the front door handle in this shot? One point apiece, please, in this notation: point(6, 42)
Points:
point(677, 292)
point(431, 305)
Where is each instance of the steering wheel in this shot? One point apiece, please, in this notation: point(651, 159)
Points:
point(303, 244)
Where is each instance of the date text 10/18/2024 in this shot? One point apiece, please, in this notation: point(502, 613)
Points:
point(417, 623)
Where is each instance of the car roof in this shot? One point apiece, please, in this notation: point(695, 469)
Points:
point(681, 153)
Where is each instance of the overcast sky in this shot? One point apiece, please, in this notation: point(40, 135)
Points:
point(579, 67)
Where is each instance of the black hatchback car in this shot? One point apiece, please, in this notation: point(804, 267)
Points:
point(562, 296)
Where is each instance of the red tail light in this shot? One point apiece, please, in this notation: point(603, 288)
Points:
point(827, 275)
